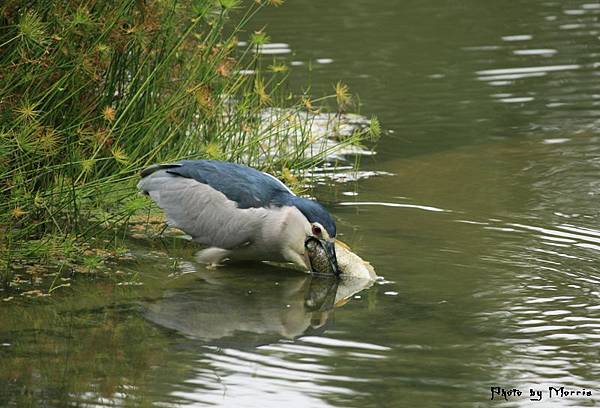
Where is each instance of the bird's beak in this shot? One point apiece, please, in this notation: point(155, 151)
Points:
point(330, 249)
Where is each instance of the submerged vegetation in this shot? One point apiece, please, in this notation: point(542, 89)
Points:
point(93, 91)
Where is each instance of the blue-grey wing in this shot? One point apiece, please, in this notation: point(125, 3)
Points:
point(247, 187)
point(203, 212)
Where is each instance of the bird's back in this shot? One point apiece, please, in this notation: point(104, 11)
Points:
point(247, 187)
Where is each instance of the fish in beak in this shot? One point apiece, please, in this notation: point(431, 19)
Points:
point(321, 256)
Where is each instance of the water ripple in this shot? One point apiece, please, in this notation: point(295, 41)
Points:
point(526, 70)
point(275, 374)
point(399, 205)
point(330, 342)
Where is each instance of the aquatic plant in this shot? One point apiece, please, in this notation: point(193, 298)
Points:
point(91, 92)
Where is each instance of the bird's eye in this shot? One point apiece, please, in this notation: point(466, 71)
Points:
point(316, 230)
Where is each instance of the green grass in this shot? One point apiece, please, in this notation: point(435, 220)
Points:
point(93, 91)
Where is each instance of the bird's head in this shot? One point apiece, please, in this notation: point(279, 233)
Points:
point(321, 226)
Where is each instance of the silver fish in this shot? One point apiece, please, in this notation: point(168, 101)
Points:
point(317, 255)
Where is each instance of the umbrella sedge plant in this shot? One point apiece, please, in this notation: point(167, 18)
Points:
point(93, 91)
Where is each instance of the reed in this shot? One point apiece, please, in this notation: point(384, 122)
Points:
point(93, 91)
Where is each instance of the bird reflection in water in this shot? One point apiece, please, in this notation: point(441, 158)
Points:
point(236, 307)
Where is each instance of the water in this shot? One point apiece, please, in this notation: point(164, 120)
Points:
point(486, 232)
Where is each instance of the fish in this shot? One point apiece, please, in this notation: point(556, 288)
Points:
point(349, 264)
point(352, 265)
point(317, 255)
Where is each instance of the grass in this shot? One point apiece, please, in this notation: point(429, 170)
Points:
point(93, 91)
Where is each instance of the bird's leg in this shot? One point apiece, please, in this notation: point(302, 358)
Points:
point(164, 228)
point(162, 238)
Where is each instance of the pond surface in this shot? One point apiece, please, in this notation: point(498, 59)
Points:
point(487, 233)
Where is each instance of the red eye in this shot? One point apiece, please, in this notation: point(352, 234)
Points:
point(316, 230)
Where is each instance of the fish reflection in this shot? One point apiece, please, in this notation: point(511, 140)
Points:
point(233, 308)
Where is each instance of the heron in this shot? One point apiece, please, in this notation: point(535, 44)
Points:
point(238, 212)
